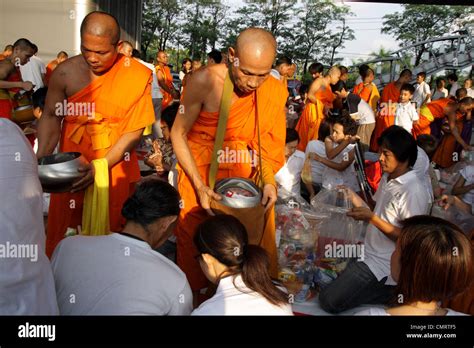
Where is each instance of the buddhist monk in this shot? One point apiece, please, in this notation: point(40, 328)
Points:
point(367, 90)
point(445, 155)
point(61, 57)
point(320, 101)
point(388, 103)
point(109, 105)
point(10, 76)
point(193, 137)
point(430, 112)
point(126, 48)
point(165, 80)
point(7, 52)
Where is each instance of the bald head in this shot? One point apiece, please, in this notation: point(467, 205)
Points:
point(256, 42)
point(101, 24)
point(126, 48)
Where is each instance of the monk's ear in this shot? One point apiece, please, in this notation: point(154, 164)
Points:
point(119, 45)
point(231, 57)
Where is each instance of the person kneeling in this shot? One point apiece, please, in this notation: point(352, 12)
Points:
point(240, 271)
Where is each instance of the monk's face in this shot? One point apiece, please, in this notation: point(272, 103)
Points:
point(61, 59)
point(405, 78)
point(334, 76)
point(285, 70)
point(250, 69)
point(23, 55)
point(162, 58)
point(465, 108)
point(99, 52)
point(196, 64)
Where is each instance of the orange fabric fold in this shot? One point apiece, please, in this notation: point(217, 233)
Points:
point(120, 104)
point(6, 95)
point(241, 137)
point(444, 155)
point(309, 122)
point(437, 110)
point(167, 98)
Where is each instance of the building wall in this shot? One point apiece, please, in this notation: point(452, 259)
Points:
point(53, 25)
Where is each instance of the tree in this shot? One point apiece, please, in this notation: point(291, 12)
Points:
point(418, 23)
point(382, 53)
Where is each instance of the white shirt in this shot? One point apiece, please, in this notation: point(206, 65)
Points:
point(26, 283)
point(276, 74)
point(317, 168)
point(117, 275)
point(468, 175)
point(397, 200)
point(240, 300)
point(32, 72)
point(405, 115)
point(470, 92)
point(453, 89)
point(381, 311)
point(348, 177)
point(422, 170)
point(421, 91)
point(155, 88)
point(439, 94)
point(289, 176)
point(365, 113)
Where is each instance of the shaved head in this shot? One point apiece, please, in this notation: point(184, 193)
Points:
point(62, 54)
point(255, 42)
point(8, 48)
point(101, 24)
point(126, 48)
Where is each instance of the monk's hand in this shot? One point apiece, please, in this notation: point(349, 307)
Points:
point(269, 196)
point(361, 213)
point(27, 86)
point(206, 194)
point(87, 178)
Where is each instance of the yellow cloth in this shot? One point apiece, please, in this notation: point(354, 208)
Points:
point(148, 130)
point(425, 111)
point(95, 214)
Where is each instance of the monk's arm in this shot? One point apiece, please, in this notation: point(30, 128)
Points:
point(313, 89)
point(162, 83)
point(126, 143)
point(5, 70)
point(454, 130)
point(49, 125)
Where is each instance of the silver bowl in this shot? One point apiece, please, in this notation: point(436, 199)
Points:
point(224, 185)
point(58, 172)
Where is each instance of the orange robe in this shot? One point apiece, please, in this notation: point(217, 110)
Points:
point(241, 133)
point(428, 113)
point(167, 98)
point(122, 105)
point(6, 95)
point(444, 155)
point(386, 117)
point(49, 70)
point(369, 93)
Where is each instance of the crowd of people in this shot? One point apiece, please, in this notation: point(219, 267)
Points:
point(161, 249)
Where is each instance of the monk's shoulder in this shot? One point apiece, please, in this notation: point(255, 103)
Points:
point(136, 66)
point(274, 89)
point(204, 79)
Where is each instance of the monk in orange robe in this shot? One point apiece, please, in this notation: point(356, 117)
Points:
point(193, 136)
point(165, 80)
point(388, 104)
point(321, 100)
point(61, 57)
point(10, 76)
point(445, 155)
point(367, 90)
point(103, 102)
point(429, 112)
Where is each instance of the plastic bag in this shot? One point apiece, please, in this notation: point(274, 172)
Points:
point(453, 214)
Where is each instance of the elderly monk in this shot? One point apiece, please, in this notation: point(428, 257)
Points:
point(119, 94)
point(194, 130)
point(315, 111)
point(61, 57)
point(165, 80)
point(388, 104)
point(10, 76)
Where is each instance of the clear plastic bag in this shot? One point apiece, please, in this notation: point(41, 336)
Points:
point(453, 214)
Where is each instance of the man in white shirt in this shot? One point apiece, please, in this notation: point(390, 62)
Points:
point(120, 273)
point(422, 90)
point(400, 195)
point(289, 176)
point(34, 71)
point(282, 68)
point(406, 114)
point(422, 170)
point(26, 279)
point(440, 91)
point(453, 81)
point(468, 87)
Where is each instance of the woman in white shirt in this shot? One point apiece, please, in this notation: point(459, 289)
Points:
point(432, 263)
point(240, 271)
point(441, 91)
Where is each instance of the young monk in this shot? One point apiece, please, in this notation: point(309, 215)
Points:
point(367, 90)
point(120, 96)
point(430, 112)
point(255, 94)
point(388, 103)
point(320, 101)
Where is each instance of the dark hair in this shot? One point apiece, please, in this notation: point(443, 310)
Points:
point(461, 93)
point(428, 143)
point(283, 60)
point(62, 54)
point(8, 48)
point(225, 238)
point(291, 135)
point(338, 86)
point(397, 140)
point(316, 68)
point(452, 77)
point(169, 115)
point(304, 88)
point(466, 101)
point(216, 56)
point(25, 43)
point(422, 74)
point(324, 130)
point(184, 61)
point(39, 97)
point(136, 53)
point(436, 260)
point(153, 199)
point(343, 69)
point(344, 119)
point(366, 72)
point(406, 72)
point(438, 81)
point(408, 87)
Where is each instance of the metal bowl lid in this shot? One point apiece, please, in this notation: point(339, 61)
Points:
point(238, 192)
